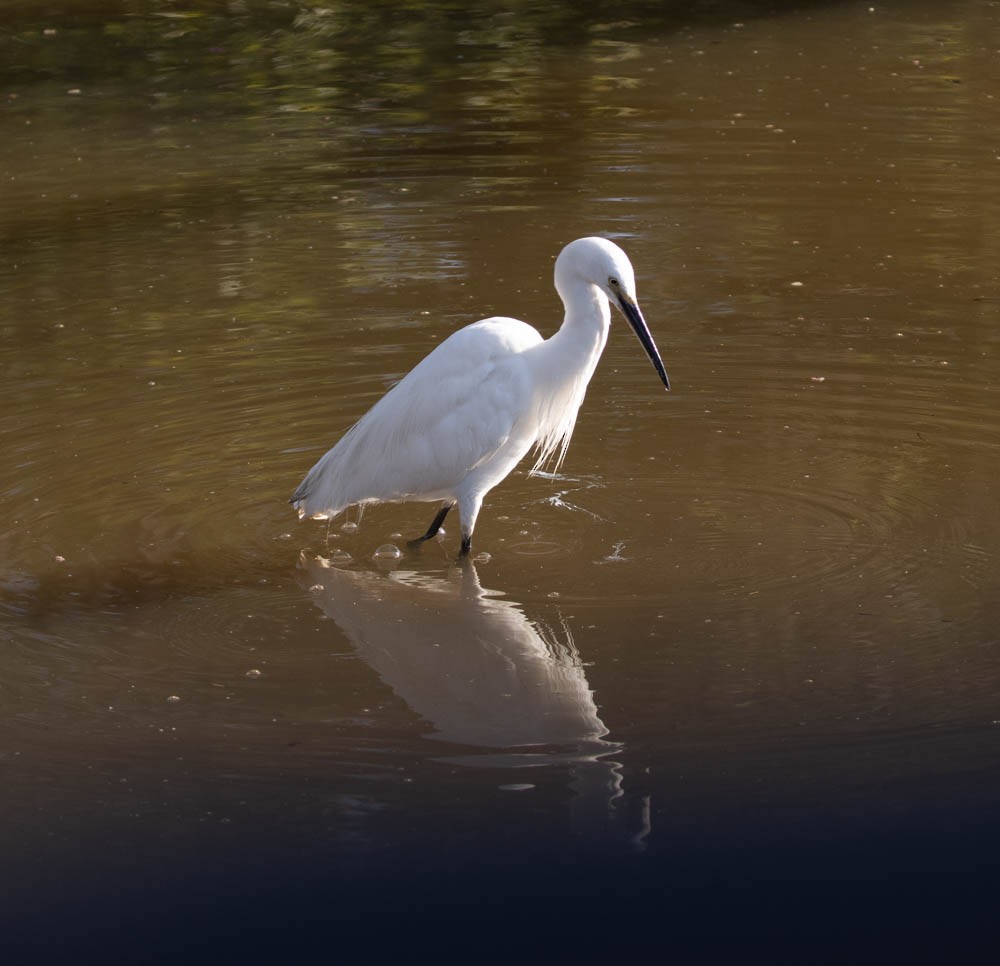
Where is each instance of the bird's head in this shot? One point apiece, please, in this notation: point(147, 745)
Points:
point(601, 263)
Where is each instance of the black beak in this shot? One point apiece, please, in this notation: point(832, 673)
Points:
point(631, 312)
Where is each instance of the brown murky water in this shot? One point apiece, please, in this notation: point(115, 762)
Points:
point(737, 664)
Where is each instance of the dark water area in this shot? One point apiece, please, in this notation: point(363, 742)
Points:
point(727, 682)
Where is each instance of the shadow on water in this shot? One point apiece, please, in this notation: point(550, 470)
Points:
point(167, 564)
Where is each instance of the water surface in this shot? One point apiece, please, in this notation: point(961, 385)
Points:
point(738, 661)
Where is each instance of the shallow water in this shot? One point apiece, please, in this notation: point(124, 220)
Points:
point(739, 660)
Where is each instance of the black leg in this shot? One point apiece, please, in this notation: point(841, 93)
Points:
point(435, 525)
point(466, 546)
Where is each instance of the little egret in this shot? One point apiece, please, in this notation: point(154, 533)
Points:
point(466, 415)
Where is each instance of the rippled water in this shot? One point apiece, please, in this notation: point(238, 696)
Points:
point(739, 660)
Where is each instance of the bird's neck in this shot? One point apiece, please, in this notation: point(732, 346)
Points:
point(563, 366)
point(581, 338)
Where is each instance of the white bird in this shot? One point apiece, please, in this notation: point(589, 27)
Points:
point(465, 416)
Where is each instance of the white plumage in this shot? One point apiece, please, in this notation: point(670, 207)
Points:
point(466, 415)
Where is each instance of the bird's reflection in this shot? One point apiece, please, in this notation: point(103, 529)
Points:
point(472, 664)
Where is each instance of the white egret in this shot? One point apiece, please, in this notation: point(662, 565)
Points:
point(464, 417)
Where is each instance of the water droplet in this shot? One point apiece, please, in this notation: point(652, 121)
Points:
point(253, 673)
point(388, 551)
point(348, 526)
point(482, 557)
point(516, 787)
point(339, 557)
point(173, 699)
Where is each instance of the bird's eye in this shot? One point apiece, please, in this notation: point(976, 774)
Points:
point(613, 282)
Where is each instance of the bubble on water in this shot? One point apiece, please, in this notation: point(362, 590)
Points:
point(173, 698)
point(388, 551)
point(482, 557)
point(253, 673)
point(339, 556)
point(349, 526)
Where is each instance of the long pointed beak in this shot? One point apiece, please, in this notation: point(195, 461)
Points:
point(631, 312)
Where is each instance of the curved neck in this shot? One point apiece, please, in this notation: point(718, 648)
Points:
point(563, 365)
point(581, 338)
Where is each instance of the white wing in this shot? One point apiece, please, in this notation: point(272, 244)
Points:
point(466, 401)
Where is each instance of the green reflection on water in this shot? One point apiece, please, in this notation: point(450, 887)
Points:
point(319, 58)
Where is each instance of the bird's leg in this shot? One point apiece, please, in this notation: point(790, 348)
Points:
point(469, 506)
point(434, 527)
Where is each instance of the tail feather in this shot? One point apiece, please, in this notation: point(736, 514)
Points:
point(324, 492)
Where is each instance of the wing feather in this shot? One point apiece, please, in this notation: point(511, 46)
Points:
point(451, 413)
